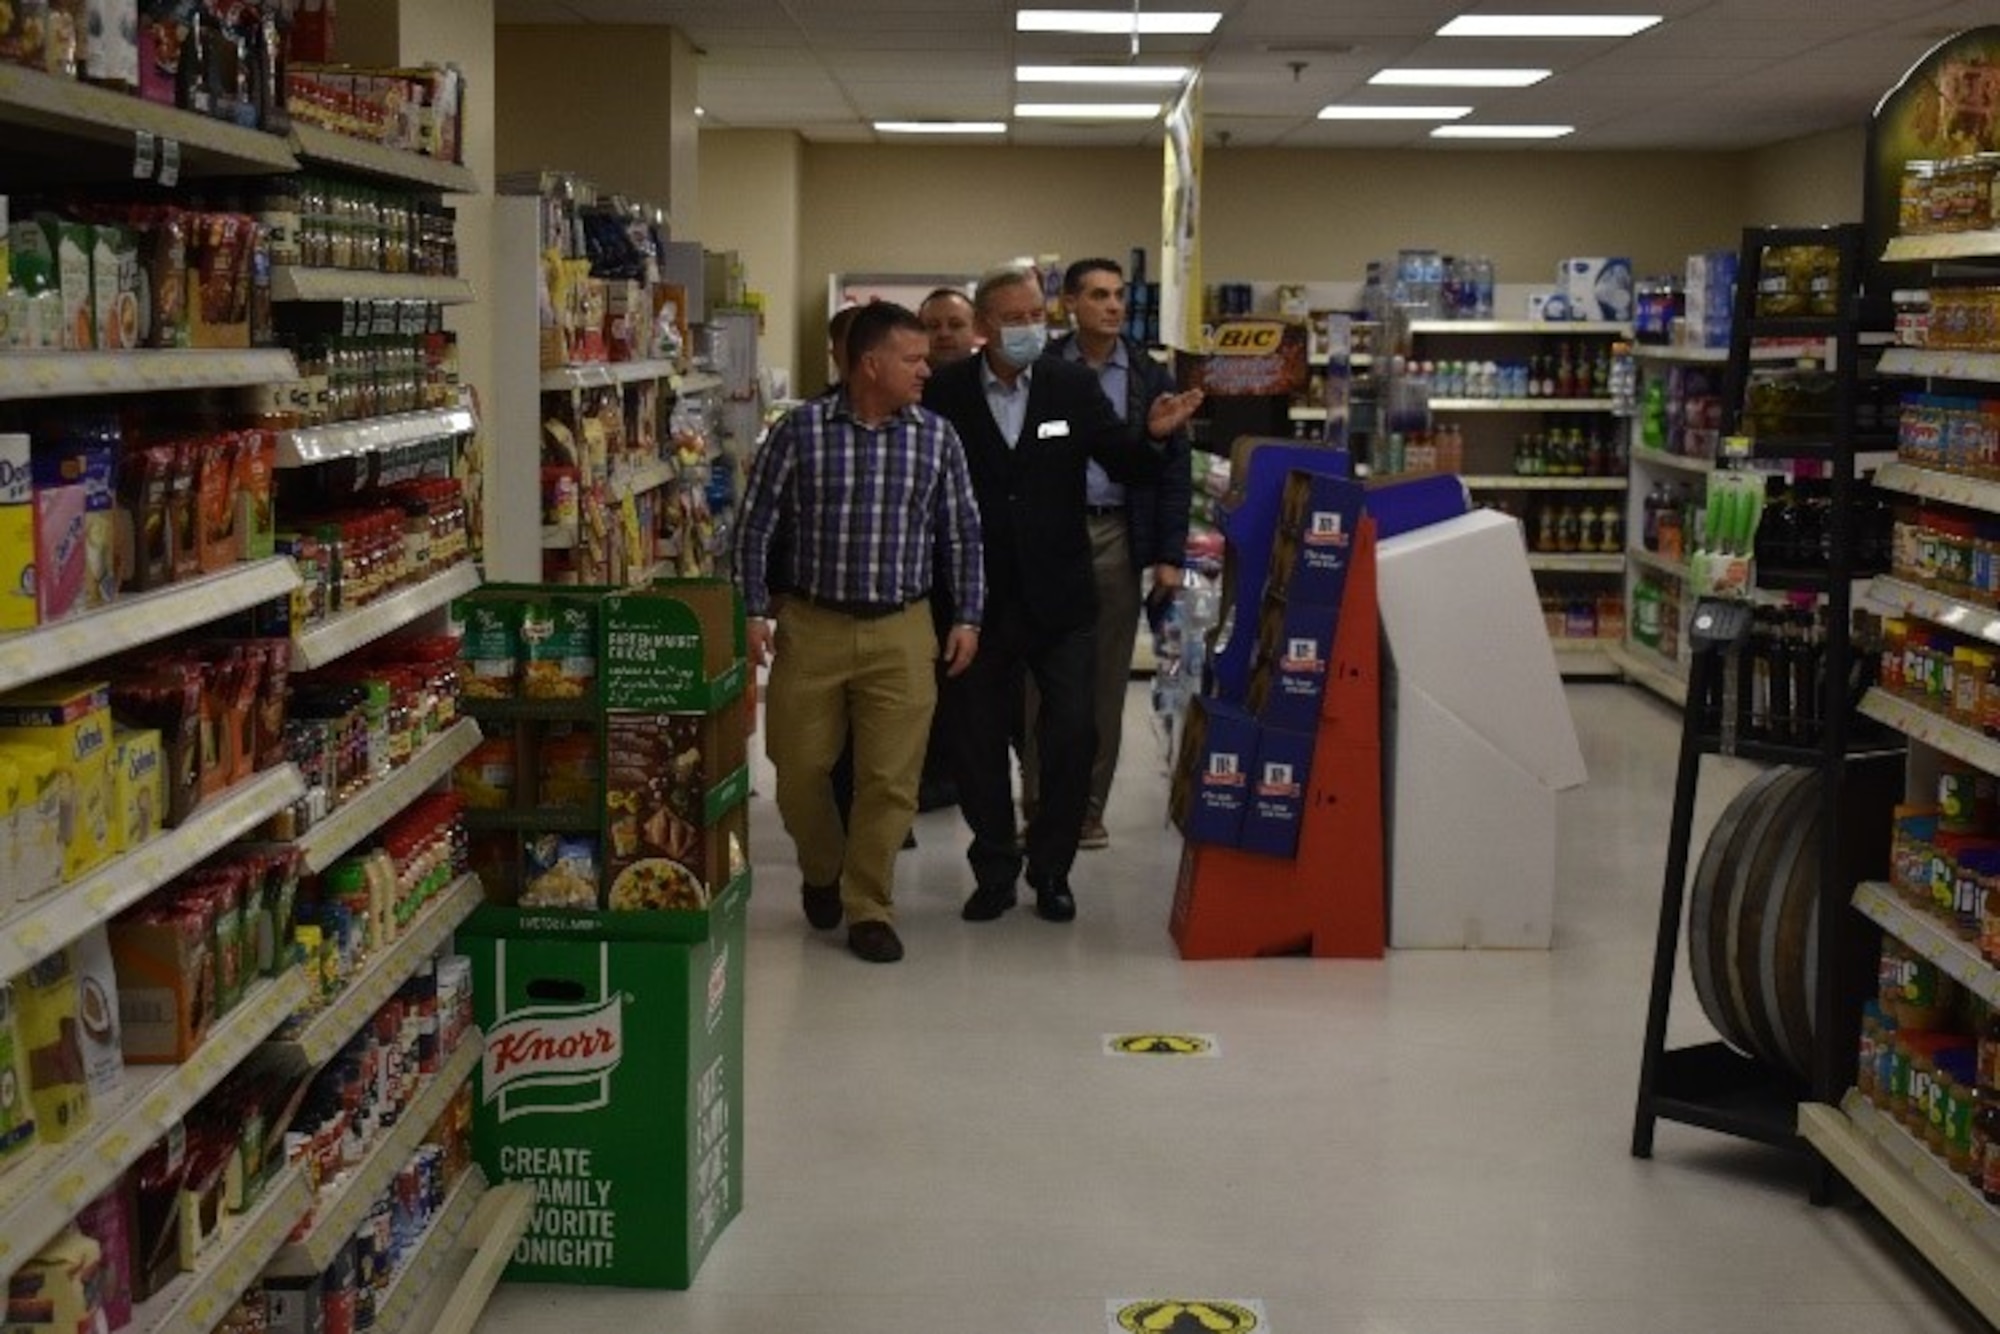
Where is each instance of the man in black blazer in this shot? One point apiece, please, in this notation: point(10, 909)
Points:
point(1030, 426)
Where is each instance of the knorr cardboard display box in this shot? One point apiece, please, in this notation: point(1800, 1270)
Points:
point(613, 1079)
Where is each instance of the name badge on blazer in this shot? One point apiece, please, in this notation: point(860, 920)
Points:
point(1051, 430)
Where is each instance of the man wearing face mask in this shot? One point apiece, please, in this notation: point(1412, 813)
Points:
point(1031, 426)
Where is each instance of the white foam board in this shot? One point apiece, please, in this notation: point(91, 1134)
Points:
point(1472, 839)
point(1463, 623)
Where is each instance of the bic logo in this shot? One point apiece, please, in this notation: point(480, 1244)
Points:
point(1249, 340)
point(1187, 1317)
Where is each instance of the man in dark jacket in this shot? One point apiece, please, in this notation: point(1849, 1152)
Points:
point(1135, 528)
point(1030, 425)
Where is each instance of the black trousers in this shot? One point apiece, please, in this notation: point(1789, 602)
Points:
point(986, 715)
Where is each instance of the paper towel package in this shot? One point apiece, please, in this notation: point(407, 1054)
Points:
point(1480, 738)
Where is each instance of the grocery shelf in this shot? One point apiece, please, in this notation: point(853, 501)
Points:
point(1932, 484)
point(293, 283)
point(316, 444)
point(1967, 618)
point(46, 1188)
point(324, 1033)
point(1519, 327)
point(141, 618)
point(1944, 245)
point(348, 630)
point(1958, 959)
point(600, 373)
point(648, 476)
point(1518, 482)
point(1940, 364)
point(1659, 458)
point(432, 1251)
point(1575, 564)
point(1933, 730)
point(196, 1301)
point(345, 1201)
point(70, 109)
point(1522, 404)
point(326, 841)
point(1584, 657)
point(1937, 1211)
point(1719, 356)
point(25, 375)
point(319, 146)
point(1652, 669)
point(696, 382)
point(38, 928)
point(458, 1290)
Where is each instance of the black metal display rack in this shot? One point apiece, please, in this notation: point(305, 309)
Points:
point(1857, 769)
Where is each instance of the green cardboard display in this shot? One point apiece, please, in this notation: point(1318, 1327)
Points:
point(613, 1079)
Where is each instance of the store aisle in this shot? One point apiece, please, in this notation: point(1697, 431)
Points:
point(1434, 1144)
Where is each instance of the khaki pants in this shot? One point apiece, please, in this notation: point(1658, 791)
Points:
point(1117, 632)
point(832, 672)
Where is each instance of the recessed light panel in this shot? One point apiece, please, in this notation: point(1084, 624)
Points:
point(1393, 113)
point(1088, 110)
point(1502, 131)
point(1101, 74)
point(1548, 25)
point(1116, 22)
point(1458, 78)
point(941, 126)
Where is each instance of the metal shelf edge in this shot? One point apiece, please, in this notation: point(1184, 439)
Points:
point(327, 840)
point(342, 634)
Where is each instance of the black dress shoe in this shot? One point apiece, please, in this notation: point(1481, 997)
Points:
point(1053, 901)
point(822, 905)
point(909, 840)
point(877, 942)
point(987, 902)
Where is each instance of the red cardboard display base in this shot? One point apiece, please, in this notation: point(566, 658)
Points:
point(1330, 900)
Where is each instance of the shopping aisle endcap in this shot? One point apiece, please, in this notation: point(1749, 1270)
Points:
point(1463, 624)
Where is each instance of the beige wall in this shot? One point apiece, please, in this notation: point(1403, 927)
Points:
point(568, 96)
point(1808, 181)
point(750, 182)
point(1268, 215)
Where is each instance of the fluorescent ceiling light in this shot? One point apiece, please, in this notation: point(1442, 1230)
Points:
point(701, 111)
point(1548, 25)
point(1458, 78)
point(1502, 131)
point(1121, 74)
point(1393, 113)
point(941, 126)
point(1089, 110)
point(1116, 23)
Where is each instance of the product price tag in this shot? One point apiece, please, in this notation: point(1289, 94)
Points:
point(145, 156)
point(170, 163)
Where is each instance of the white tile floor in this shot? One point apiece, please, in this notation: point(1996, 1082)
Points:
point(1433, 1144)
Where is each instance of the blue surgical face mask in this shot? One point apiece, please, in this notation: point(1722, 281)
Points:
point(1022, 343)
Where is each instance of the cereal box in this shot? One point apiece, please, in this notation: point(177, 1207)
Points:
point(138, 787)
point(17, 534)
point(75, 720)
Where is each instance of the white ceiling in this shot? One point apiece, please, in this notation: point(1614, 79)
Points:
point(1716, 74)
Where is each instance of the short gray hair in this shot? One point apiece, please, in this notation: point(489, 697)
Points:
point(995, 279)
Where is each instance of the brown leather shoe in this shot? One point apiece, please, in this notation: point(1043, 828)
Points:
point(822, 905)
point(1094, 836)
point(877, 942)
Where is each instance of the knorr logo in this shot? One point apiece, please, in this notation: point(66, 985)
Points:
point(553, 1047)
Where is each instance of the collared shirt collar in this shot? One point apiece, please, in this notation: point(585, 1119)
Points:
point(992, 383)
point(1072, 349)
point(841, 408)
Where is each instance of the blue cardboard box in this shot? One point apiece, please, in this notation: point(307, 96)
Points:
point(1212, 782)
point(1294, 654)
point(1277, 802)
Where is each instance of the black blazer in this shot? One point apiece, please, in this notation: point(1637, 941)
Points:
point(1156, 513)
point(1031, 496)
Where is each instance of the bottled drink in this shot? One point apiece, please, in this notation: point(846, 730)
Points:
point(1482, 288)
